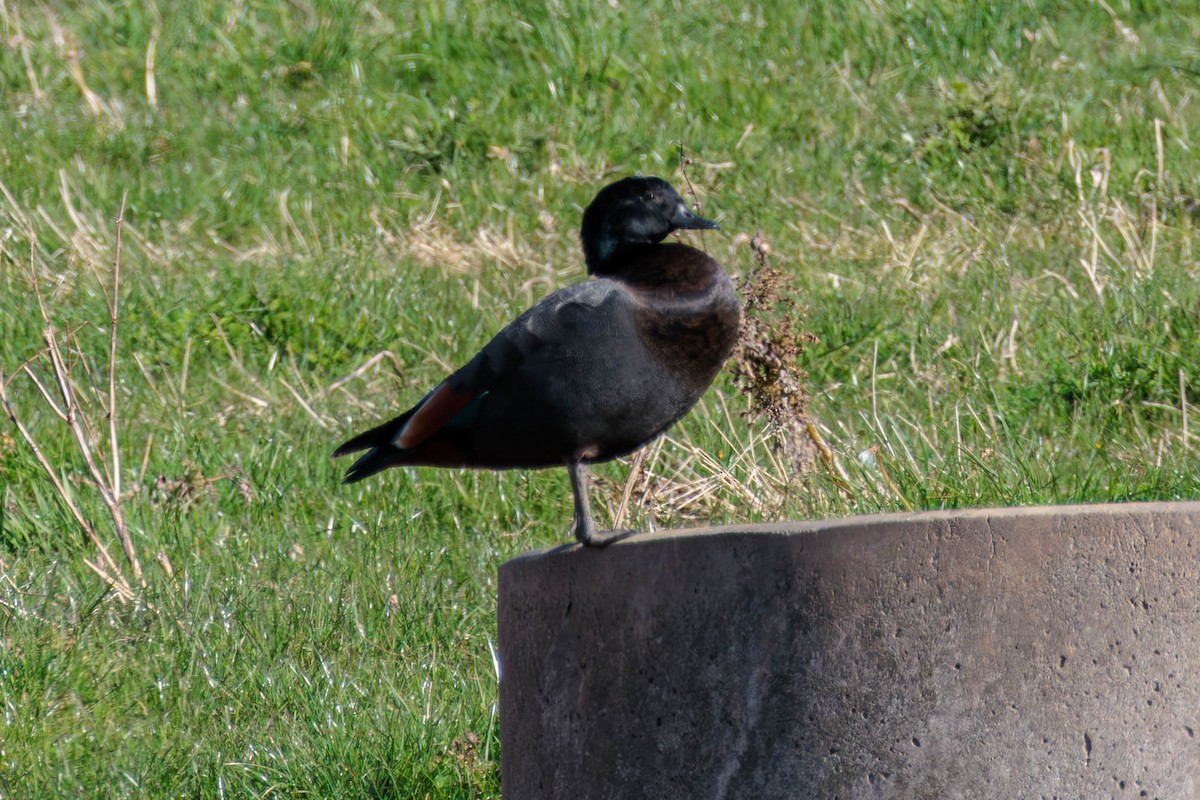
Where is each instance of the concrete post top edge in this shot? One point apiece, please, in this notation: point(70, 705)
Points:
point(1069, 513)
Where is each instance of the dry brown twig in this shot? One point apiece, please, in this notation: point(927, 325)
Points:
point(62, 397)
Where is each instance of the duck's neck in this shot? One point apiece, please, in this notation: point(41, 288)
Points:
point(597, 250)
point(652, 266)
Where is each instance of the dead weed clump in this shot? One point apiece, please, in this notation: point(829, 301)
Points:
point(193, 485)
point(766, 363)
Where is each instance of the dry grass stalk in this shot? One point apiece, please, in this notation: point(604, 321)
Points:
point(63, 398)
point(67, 45)
point(363, 368)
point(151, 84)
point(23, 43)
point(678, 479)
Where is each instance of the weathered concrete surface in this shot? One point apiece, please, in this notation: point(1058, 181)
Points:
point(1011, 653)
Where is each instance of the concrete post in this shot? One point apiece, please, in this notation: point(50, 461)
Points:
point(1008, 653)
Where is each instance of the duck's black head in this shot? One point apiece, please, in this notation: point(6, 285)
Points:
point(633, 211)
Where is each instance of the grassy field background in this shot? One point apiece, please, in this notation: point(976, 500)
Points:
point(989, 212)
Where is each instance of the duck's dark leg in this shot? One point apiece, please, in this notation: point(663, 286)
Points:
point(585, 530)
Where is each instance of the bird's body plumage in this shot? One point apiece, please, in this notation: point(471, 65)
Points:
point(591, 372)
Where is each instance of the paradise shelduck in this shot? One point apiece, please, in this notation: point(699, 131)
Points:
point(590, 373)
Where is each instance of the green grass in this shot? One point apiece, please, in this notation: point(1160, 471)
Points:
point(990, 214)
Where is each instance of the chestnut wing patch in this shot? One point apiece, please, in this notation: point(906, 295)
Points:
point(442, 405)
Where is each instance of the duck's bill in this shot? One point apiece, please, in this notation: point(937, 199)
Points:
point(684, 218)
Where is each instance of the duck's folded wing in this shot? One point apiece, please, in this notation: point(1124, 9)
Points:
point(556, 323)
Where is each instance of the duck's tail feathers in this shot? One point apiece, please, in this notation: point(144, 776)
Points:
point(379, 442)
point(378, 436)
point(374, 460)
